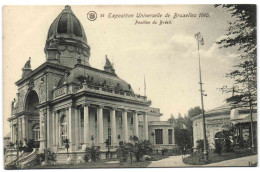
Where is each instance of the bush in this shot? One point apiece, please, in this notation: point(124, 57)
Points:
point(200, 145)
point(92, 153)
point(123, 152)
point(138, 150)
point(142, 148)
point(29, 145)
point(50, 155)
point(11, 145)
point(12, 166)
point(218, 148)
point(164, 151)
point(86, 157)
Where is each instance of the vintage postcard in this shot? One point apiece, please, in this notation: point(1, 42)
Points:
point(129, 86)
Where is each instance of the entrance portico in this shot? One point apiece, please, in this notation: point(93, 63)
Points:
point(89, 124)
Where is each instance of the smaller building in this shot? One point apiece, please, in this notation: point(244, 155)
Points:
point(222, 118)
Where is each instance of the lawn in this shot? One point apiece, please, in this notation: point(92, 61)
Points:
point(105, 163)
point(213, 157)
point(98, 164)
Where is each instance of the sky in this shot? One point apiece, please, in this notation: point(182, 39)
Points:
point(166, 55)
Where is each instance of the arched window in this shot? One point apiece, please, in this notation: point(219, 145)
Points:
point(36, 132)
point(64, 129)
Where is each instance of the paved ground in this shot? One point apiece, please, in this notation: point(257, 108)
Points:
point(176, 161)
point(238, 162)
point(172, 161)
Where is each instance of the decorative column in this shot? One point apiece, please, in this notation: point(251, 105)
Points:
point(57, 128)
point(24, 125)
point(79, 122)
point(71, 131)
point(100, 126)
point(125, 127)
point(86, 126)
point(49, 128)
point(41, 130)
point(113, 126)
point(54, 116)
point(136, 124)
point(145, 125)
point(76, 128)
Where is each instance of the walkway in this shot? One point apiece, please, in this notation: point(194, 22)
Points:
point(172, 161)
point(176, 161)
point(238, 162)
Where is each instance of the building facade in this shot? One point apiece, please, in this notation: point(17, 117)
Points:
point(223, 118)
point(66, 98)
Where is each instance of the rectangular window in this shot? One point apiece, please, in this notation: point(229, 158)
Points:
point(109, 136)
point(170, 136)
point(158, 136)
point(108, 117)
point(82, 117)
point(132, 120)
point(120, 119)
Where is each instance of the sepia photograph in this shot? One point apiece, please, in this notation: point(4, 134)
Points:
point(129, 86)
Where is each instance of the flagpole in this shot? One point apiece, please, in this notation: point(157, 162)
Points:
point(205, 152)
point(144, 86)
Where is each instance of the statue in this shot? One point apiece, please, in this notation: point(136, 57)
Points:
point(13, 102)
point(28, 63)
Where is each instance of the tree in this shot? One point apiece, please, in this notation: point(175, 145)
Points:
point(194, 111)
point(183, 135)
point(141, 148)
point(92, 153)
point(171, 119)
point(241, 33)
point(180, 121)
point(182, 138)
point(138, 150)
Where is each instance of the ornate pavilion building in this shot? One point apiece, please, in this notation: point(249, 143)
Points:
point(66, 98)
point(223, 118)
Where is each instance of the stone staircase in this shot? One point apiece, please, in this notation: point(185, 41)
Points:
point(28, 158)
point(24, 157)
point(11, 156)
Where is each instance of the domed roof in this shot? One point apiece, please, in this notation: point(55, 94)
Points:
point(66, 25)
point(95, 77)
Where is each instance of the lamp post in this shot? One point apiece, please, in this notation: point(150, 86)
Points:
point(45, 121)
point(200, 41)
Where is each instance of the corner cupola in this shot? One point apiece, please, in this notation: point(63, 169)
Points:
point(27, 68)
point(109, 66)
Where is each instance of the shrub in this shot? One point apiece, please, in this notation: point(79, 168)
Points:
point(50, 155)
point(29, 145)
point(164, 151)
point(12, 166)
point(218, 148)
point(92, 153)
point(123, 152)
point(200, 145)
point(86, 157)
point(11, 145)
point(138, 150)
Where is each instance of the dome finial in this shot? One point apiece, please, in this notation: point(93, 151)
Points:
point(67, 7)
